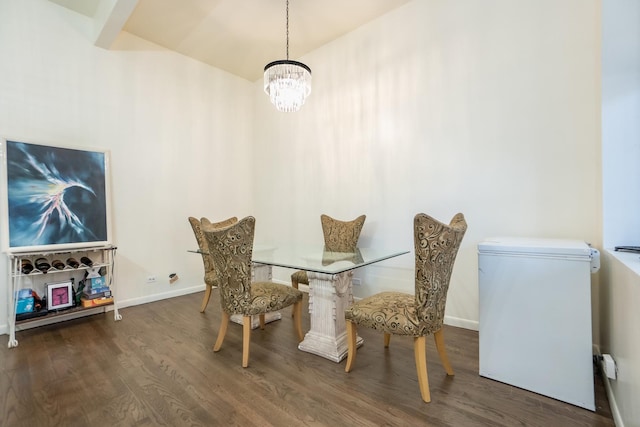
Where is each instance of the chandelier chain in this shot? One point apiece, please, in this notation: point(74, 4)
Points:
point(287, 30)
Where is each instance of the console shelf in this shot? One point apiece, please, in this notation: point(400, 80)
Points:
point(102, 263)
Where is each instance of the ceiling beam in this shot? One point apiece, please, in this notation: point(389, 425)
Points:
point(110, 18)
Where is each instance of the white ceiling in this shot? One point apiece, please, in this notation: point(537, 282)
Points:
point(238, 36)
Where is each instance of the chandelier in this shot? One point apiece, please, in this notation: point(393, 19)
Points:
point(288, 83)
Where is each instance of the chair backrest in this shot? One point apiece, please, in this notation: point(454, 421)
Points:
point(436, 247)
point(198, 227)
point(341, 236)
point(230, 249)
point(206, 224)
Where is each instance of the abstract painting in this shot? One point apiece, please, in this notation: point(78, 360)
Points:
point(56, 197)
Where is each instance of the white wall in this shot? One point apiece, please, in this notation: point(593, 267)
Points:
point(620, 288)
point(487, 108)
point(620, 123)
point(173, 127)
point(620, 319)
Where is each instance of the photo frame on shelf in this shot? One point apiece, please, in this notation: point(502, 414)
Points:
point(53, 197)
point(59, 295)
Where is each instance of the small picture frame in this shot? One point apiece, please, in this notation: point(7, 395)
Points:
point(59, 295)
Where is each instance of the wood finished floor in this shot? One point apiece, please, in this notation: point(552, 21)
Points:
point(156, 367)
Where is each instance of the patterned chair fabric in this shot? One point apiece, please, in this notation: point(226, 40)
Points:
point(209, 273)
point(208, 225)
point(339, 236)
point(397, 313)
point(230, 249)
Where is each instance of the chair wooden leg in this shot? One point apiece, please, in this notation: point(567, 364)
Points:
point(420, 352)
point(262, 321)
point(222, 332)
point(297, 319)
point(294, 284)
point(442, 351)
point(205, 300)
point(352, 333)
point(387, 340)
point(246, 339)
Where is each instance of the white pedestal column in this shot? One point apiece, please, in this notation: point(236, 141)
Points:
point(329, 296)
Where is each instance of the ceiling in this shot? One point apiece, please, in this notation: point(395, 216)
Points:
point(238, 36)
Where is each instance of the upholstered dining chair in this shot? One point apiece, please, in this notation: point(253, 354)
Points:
point(209, 274)
point(396, 313)
point(339, 236)
point(231, 249)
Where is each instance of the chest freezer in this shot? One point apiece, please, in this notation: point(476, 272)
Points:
point(535, 315)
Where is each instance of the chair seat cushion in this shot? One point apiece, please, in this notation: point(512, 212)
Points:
point(269, 296)
point(300, 277)
point(390, 312)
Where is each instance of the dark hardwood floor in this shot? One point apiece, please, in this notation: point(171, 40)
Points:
point(156, 367)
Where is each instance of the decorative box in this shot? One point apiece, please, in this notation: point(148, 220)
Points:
point(24, 293)
point(97, 282)
point(96, 302)
point(24, 305)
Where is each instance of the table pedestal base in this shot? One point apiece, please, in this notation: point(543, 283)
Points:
point(255, 320)
point(259, 273)
point(329, 296)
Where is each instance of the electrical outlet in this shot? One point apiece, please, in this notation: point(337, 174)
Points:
point(356, 281)
point(152, 279)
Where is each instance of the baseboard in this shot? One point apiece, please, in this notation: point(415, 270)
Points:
point(158, 297)
point(462, 323)
point(615, 412)
point(448, 320)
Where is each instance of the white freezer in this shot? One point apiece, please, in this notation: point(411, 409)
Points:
point(535, 316)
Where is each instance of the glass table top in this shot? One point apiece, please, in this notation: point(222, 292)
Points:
point(315, 258)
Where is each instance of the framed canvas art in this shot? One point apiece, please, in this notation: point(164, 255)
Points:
point(53, 197)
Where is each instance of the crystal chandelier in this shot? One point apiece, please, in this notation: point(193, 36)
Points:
point(288, 83)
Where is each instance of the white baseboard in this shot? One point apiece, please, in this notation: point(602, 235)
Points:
point(448, 320)
point(615, 412)
point(462, 323)
point(158, 297)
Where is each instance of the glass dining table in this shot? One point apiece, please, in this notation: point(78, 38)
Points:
point(330, 289)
